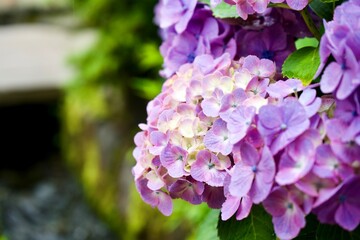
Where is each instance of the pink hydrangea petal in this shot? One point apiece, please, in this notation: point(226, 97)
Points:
point(249, 155)
point(241, 180)
point(229, 207)
point(173, 159)
point(331, 77)
point(297, 4)
point(347, 86)
point(213, 196)
point(165, 205)
point(244, 208)
point(348, 216)
point(260, 5)
point(288, 226)
point(275, 202)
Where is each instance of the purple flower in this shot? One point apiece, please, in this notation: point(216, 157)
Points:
point(208, 64)
point(155, 180)
point(174, 13)
point(257, 87)
point(280, 125)
point(245, 7)
point(157, 198)
point(174, 158)
point(342, 75)
point(159, 140)
point(239, 122)
point(310, 102)
point(262, 68)
point(230, 102)
point(348, 108)
point(207, 168)
point(298, 158)
point(287, 216)
point(239, 205)
point(293, 4)
point(343, 139)
point(185, 47)
point(272, 43)
point(211, 106)
point(213, 196)
point(189, 190)
point(219, 47)
point(253, 175)
point(312, 185)
point(281, 89)
point(341, 205)
point(327, 165)
point(217, 138)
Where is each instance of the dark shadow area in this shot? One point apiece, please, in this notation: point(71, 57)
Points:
point(39, 198)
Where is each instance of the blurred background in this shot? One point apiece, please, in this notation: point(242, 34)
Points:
point(75, 78)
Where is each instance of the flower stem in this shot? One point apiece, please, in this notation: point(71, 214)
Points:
point(310, 24)
point(279, 5)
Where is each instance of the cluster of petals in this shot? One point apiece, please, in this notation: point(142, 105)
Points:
point(341, 40)
point(228, 134)
point(189, 29)
point(248, 7)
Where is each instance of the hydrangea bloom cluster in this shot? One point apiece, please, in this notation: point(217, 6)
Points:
point(189, 29)
point(233, 134)
point(228, 135)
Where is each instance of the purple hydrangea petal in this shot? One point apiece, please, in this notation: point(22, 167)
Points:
point(189, 191)
point(217, 138)
point(281, 89)
point(213, 196)
point(239, 122)
point(331, 77)
point(264, 177)
point(348, 216)
point(229, 207)
point(157, 199)
point(173, 158)
point(203, 169)
point(297, 4)
point(241, 180)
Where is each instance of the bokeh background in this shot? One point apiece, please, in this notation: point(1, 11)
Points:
point(75, 78)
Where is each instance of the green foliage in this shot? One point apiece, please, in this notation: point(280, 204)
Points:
point(331, 232)
point(3, 237)
point(257, 226)
point(323, 8)
point(315, 230)
point(207, 229)
point(302, 64)
point(127, 46)
point(306, 42)
point(223, 10)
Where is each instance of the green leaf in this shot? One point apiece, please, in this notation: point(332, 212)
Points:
point(257, 226)
point(302, 64)
point(207, 229)
point(315, 230)
point(306, 42)
point(322, 9)
point(224, 10)
point(309, 232)
point(333, 232)
point(205, 1)
point(328, 1)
